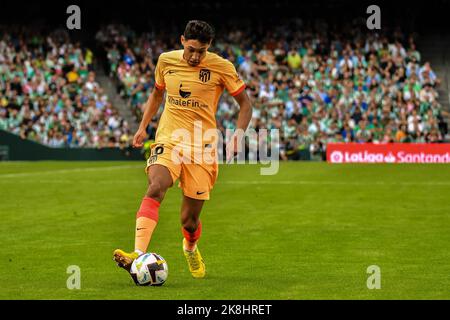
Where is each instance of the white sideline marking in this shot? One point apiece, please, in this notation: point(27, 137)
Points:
point(309, 182)
point(143, 181)
point(230, 182)
point(343, 183)
point(36, 173)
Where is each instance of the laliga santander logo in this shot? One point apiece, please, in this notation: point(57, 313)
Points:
point(389, 153)
point(363, 157)
point(336, 157)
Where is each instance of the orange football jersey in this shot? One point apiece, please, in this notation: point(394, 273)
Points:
point(192, 95)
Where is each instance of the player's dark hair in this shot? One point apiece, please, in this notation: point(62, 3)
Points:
point(199, 30)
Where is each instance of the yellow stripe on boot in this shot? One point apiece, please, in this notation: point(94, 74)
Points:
point(124, 259)
point(195, 262)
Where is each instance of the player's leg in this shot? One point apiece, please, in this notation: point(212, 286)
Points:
point(159, 180)
point(192, 229)
point(161, 171)
point(190, 221)
point(196, 180)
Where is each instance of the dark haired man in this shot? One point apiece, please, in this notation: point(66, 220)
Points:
point(193, 80)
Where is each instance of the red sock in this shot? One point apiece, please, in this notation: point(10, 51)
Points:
point(149, 209)
point(192, 238)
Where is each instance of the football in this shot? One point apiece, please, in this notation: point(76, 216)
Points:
point(149, 269)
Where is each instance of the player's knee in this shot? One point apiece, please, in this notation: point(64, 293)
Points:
point(190, 224)
point(155, 191)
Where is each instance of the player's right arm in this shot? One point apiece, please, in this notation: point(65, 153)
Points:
point(151, 106)
point(150, 109)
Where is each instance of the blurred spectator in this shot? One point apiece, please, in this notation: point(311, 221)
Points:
point(313, 83)
point(48, 92)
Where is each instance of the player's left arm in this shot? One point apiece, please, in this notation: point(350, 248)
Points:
point(244, 117)
point(236, 87)
point(245, 110)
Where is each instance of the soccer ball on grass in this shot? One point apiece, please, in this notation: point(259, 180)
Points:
point(149, 269)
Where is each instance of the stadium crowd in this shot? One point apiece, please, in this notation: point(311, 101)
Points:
point(316, 85)
point(49, 92)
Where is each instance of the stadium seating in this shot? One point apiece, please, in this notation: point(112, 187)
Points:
point(312, 83)
point(315, 85)
point(49, 93)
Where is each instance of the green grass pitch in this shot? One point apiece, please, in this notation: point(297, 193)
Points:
point(308, 232)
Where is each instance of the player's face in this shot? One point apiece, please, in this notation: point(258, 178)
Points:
point(194, 51)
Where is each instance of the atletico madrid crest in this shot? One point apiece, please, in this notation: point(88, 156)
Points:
point(204, 75)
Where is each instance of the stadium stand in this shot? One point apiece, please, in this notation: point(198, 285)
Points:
point(315, 84)
point(49, 92)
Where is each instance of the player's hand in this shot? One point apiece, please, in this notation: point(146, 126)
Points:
point(232, 148)
point(139, 137)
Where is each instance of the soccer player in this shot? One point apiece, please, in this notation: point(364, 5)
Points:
point(193, 80)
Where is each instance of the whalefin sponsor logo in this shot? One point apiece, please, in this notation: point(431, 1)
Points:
point(187, 103)
point(184, 94)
